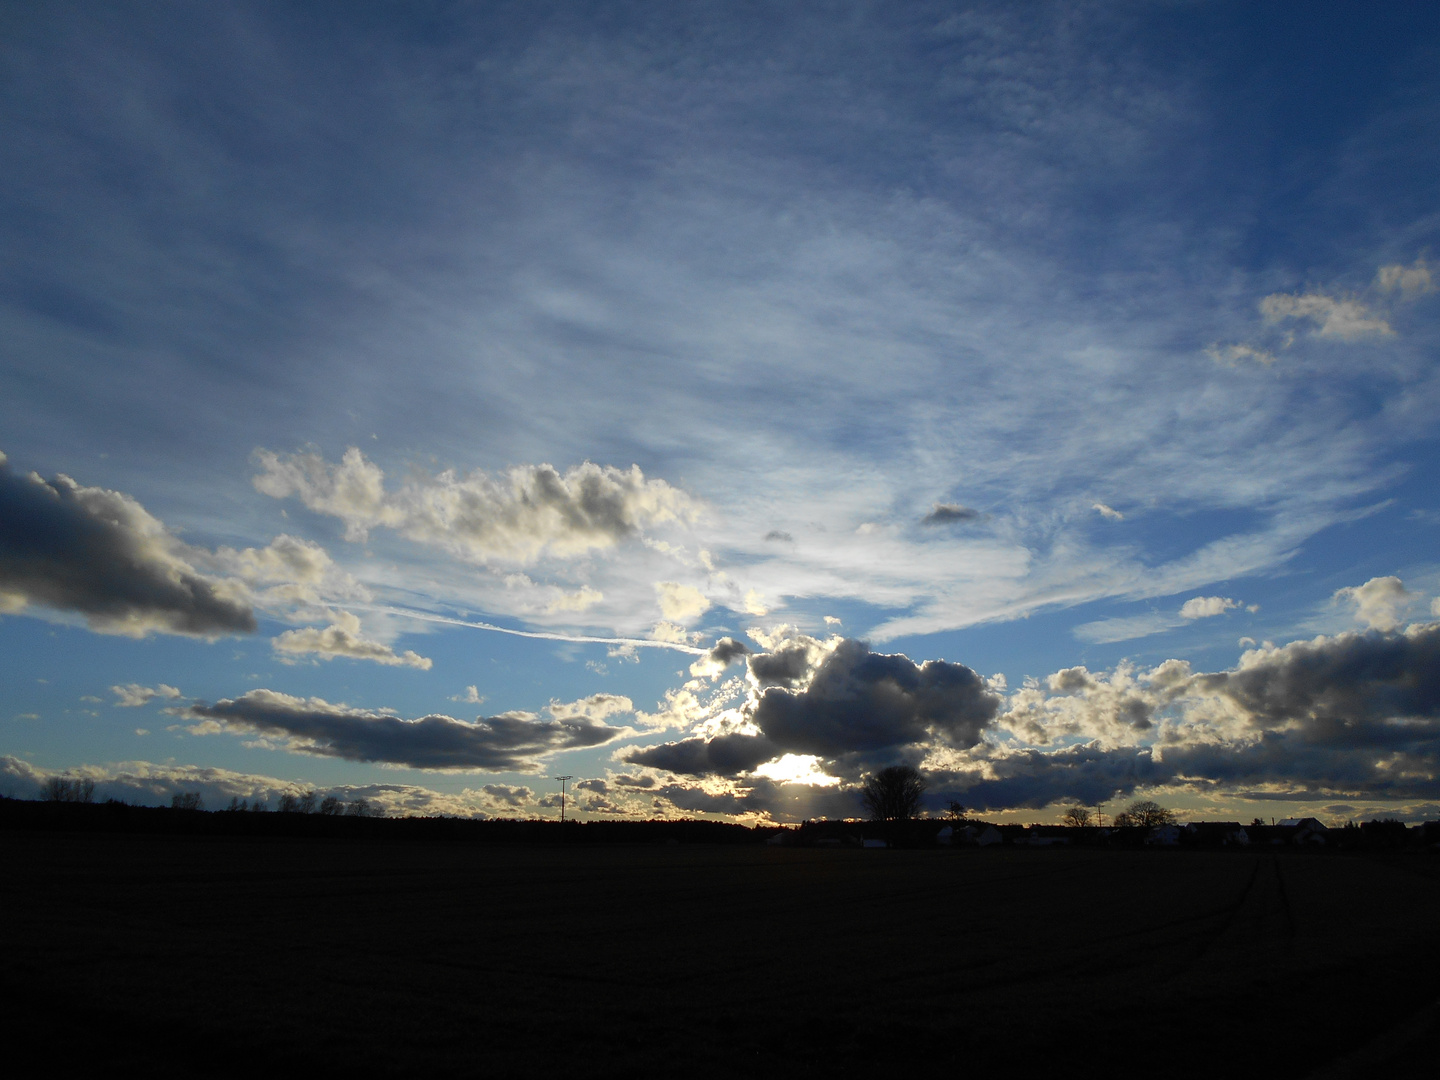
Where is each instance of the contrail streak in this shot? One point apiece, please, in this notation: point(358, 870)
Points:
point(639, 643)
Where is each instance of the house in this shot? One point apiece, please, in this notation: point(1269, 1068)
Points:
point(1215, 834)
point(989, 837)
point(1307, 830)
point(1047, 835)
point(1164, 836)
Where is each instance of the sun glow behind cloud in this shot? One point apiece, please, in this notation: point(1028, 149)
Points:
point(797, 769)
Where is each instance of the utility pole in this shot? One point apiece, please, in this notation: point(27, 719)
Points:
point(562, 780)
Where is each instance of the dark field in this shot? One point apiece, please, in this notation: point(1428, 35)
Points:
point(250, 955)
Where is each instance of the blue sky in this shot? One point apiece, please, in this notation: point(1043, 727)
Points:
point(1004, 342)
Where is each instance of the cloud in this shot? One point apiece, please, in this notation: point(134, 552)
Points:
point(1347, 319)
point(1379, 603)
point(509, 796)
point(147, 783)
point(680, 603)
point(723, 755)
point(837, 702)
point(949, 514)
point(1231, 355)
point(1205, 607)
point(472, 696)
point(342, 638)
point(595, 708)
point(528, 511)
point(1117, 707)
point(1412, 281)
point(1109, 513)
point(1124, 628)
point(288, 571)
point(133, 695)
point(776, 534)
point(582, 598)
point(754, 604)
point(724, 653)
point(671, 633)
point(509, 742)
point(1129, 627)
point(1351, 689)
point(1355, 714)
point(285, 559)
point(680, 709)
point(862, 702)
point(99, 553)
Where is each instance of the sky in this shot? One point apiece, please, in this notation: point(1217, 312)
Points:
point(717, 404)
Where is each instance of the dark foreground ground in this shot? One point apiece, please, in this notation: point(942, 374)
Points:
point(244, 955)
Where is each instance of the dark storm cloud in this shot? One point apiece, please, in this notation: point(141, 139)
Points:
point(1375, 688)
point(509, 742)
point(950, 514)
point(1309, 766)
point(698, 800)
point(724, 653)
point(508, 795)
point(724, 755)
point(776, 534)
point(634, 781)
point(100, 553)
point(1035, 778)
point(760, 795)
point(859, 701)
point(844, 704)
point(789, 664)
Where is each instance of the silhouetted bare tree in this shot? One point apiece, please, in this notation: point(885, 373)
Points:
point(1144, 814)
point(331, 805)
point(66, 789)
point(893, 793)
point(187, 800)
point(1077, 817)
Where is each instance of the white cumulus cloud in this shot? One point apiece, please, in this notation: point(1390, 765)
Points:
point(515, 517)
point(1379, 603)
point(133, 695)
point(1205, 607)
point(680, 603)
point(342, 638)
